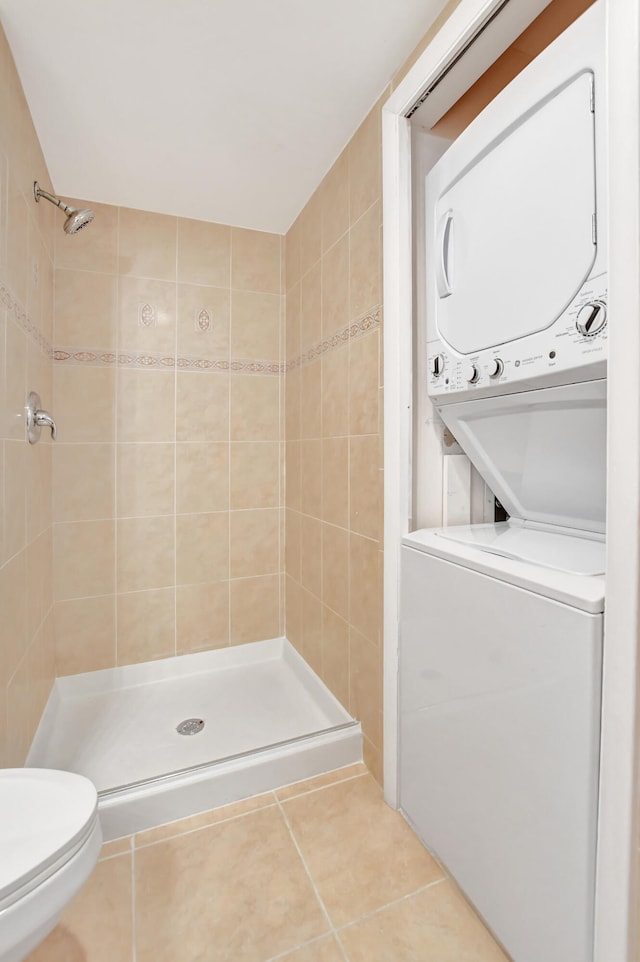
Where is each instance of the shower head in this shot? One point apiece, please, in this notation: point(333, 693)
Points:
point(76, 219)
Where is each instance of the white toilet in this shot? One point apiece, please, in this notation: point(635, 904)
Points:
point(50, 840)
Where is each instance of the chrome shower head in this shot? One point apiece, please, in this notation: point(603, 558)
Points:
point(76, 219)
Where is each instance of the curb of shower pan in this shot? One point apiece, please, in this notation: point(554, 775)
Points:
point(171, 797)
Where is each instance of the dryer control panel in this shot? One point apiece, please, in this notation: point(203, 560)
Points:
point(574, 348)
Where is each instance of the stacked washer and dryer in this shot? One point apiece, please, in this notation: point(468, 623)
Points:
point(501, 625)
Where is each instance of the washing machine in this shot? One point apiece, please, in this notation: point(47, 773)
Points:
point(501, 625)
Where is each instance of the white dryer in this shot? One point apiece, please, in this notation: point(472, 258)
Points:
point(501, 626)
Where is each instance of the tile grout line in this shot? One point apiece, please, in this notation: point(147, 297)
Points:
point(389, 905)
point(332, 928)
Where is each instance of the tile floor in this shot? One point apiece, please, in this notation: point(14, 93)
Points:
point(321, 871)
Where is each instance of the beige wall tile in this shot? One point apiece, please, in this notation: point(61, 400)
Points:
point(18, 231)
point(312, 631)
point(293, 476)
point(311, 400)
point(365, 157)
point(84, 403)
point(335, 654)
point(437, 923)
point(146, 626)
point(202, 617)
point(203, 321)
point(311, 307)
point(311, 233)
point(83, 481)
point(39, 487)
point(39, 559)
point(15, 500)
point(335, 481)
point(336, 827)
point(335, 287)
point(311, 478)
point(15, 389)
point(335, 569)
point(147, 244)
point(335, 202)
point(83, 559)
point(363, 384)
point(365, 280)
point(255, 261)
point(292, 529)
point(311, 554)
point(146, 553)
point(13, 624)
point(293, 607)
point(98, 923)
point(85, 309)
point(335, 392)
point(202, 478)
point(373, 759)
point(255, 607)
point(364, 608)
point(144, 479)
point(202, 406)
point(254, 542)
point(204, 253)
point(146, 315)
point(237, 865)
point(146, 405)
point(255, 414)
point(292, 313)
point(255, 325)
point(90, 250)
point(85, 634)
point(291, 253)
point(292, 405)
point(202, 548)
point(364, 480)
point(365, 685)
point(254, 474)
point(18, 701)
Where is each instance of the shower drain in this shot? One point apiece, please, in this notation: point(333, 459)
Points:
point(190, 726)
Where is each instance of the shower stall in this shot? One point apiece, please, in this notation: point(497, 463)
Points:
point(176, 689)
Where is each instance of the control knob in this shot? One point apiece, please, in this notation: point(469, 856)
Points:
point(437, 365)
point(495, 367)
point(470, 372)
point(591, 318)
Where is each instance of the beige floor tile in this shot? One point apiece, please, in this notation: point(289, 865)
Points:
point(118, 847)
point(436, 925)
point(361, 854)
point(320, 781)
point(324, 950)
point(204, 819)
point(97, 925)
point(236, 891)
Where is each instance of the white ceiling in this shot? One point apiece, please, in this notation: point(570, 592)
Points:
point(223, 110)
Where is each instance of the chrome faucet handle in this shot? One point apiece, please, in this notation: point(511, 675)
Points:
point(36, 418)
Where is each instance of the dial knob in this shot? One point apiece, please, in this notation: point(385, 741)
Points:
point(495, 367)
point(470, 372)
point(437, 365)
point(591, 318)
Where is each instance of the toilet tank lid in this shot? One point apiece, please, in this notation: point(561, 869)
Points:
point(44, 816)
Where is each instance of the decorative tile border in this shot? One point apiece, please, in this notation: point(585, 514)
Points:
point(160, 362)
point(362, 325)
point(24, 322)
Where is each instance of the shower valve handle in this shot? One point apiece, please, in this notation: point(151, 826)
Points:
point(37, 418)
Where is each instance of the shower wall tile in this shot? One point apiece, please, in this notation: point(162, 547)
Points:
point(170, 407)
point(204, 253)
point(26, 277)
point(255, 609)
point(147, 244)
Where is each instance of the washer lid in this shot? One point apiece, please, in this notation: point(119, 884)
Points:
point(44, 817)
point(542, 453)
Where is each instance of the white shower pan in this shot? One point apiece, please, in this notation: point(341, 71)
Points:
point(268, 721)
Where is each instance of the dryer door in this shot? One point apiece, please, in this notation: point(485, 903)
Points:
point(542, 453)
point(510, 222)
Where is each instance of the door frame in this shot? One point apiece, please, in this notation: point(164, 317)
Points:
point(617, 858)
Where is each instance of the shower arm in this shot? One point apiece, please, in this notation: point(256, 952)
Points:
point(38, 192)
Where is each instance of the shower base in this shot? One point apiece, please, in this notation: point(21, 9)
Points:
point(268, 721)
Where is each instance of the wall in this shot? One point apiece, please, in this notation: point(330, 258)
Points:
point(26, 298)
point(167, 473)
point(333, 432)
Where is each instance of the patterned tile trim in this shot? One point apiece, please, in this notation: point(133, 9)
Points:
point(362, 325)
point(161, 362)
point(24, 322)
